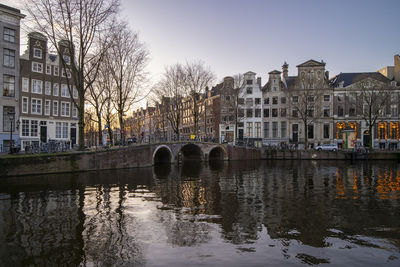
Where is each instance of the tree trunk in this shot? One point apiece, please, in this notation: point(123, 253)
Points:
point(371, 141)
point(81, 123)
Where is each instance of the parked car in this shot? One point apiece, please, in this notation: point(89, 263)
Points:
point(328, 147)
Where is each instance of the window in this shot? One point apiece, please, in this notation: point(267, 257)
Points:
point(58, 129)
point(241, 101)
point(37, 86)
point(25, 84)
point(310, 112)
point(352, 111)
point(249, 113)
point(295, 99)
point(65, 130)
point(275, 129)
point(227, 98)
point(327, 112)
point(34, 127)
point(249, 82)
point(25, 127)
point(55, 89)
point(67, 59)
point(65, 109)
point(75, 93)
point(65, 73)
point(6, 119)
point(240, 113)
point(257, 127)
point(283, 100)
point(8, 85)
point(249, 90)
point(274, 112)
point(9, 58)
point(36, 106)
point(393, 110)
point(274, 89)
point(275, 100)
point(295, 113)
point(37, 67)
point(257, 113)
point(310, 98)
point(310, 129)
point(9, 35)
point(64, 90)
point(327, 98)
point(283, 129)
point(266, 101)
point(257, 101)
point(56, 71)
point(47, 88)
point(266, 113)
point(249, 129)
point(249, 101)
point(266, 129)
point(47, 107)
point(55, 108)
point(37, 53)
point(339, 98)
point(25, 101)
point(340, 111)
point(75, 112)
point(326, 131)
point(48, 69)
point(283, 112)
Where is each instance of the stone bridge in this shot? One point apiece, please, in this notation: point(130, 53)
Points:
point(140, 155)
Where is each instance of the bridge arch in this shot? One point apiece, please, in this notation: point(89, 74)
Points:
point(217, 153)
point(162, 154)
point(191, 152)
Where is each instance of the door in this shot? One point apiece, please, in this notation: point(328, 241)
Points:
point(240, 134)
point(43, 134)
point(366, 138)
point(73, 137)
point(295, 135)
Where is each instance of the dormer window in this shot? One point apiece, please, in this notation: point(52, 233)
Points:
point(249, 82)
point(37, 53)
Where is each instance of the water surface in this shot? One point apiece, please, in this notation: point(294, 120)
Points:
point(258, 213)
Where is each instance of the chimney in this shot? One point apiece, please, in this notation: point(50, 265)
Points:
point(285, 67)
point(397, 68)
point(259, 81)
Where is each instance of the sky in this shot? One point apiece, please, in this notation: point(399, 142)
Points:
point(236, 36)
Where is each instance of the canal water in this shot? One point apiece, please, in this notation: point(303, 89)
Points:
point(258, 213)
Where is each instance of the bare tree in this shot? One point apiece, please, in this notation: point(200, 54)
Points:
point(373, 100)
point(109, 114)
point(198, 77)
point(126, 60)
point(169, 91)
point(79, 25)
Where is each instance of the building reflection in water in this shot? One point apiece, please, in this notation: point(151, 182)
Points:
point(130, 217)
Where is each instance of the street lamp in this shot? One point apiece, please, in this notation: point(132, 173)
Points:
point(11, 116)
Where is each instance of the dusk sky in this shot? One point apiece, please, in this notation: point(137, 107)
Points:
point(233, 36)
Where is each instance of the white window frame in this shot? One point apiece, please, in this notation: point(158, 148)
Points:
point(58, 130)
point(34, 53)
point(38, 105)
point(55, 108)
point(74, 111)
point(56, 89)
point(25, 84)
point(34, 81)
point(47, 88)
point(65, 91)
point(47, 107)
point(25, 104)
point(37, 67)
point(56, 71)
point(75, 93)
point(67, 59)
point(48, 69)
point(65, 109)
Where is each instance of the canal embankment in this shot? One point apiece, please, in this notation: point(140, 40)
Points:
point(78, 161)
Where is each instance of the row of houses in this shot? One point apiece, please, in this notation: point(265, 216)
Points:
point(36, 105)
point(306, 109)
